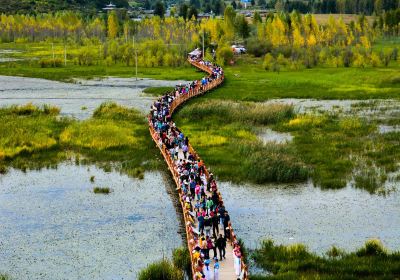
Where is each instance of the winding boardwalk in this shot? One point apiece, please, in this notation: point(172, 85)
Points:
point(227, 270)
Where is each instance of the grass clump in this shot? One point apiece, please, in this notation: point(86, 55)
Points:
point(101, 190)
point(296, 262)
point(181, 259)
point(92, 178)
point(161, 270)
point(29, 129)
point(4, 277)
point(158, 91)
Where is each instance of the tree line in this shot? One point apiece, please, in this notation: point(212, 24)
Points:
point(284, 39)
point(367, 7)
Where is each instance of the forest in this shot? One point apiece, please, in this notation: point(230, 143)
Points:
point(367, 7)
point(285, 40)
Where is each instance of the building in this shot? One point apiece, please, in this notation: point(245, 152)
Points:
point(109, 7)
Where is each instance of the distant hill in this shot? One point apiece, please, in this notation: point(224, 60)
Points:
point(46, 6)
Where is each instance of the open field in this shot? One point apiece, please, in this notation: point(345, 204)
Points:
point(247, 81)
point(347, 18)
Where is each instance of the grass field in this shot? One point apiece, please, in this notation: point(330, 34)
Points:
point(33, 137)
point(372, 261)
point(247, 81)
point(28, 56)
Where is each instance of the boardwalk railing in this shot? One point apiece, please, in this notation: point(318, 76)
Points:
point(188, 218)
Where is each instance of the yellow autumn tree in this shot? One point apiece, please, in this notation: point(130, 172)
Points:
point(112, 24)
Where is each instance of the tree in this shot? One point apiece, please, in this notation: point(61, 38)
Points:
point(112, 24)
point(253, 2)
point(183, 11)
point(192, 13)
point(280, 6)
point(233, 4)
point(257, 17)
point(159, 9)
point(242, 26)
point(262, 3)
point(146, 5)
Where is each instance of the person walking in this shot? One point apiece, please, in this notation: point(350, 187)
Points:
point(216, 269)
point(221, 245)
point(237, 259)
point(226, 224)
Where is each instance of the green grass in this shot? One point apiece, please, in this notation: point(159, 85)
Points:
point(341, 148)
point(330, 149)
point(224, 134)
point(162, 270)
point(248, 81)
point(32, 138)
point(158, 91)
point(32, 53)
point(101, 190)
point(372, 261)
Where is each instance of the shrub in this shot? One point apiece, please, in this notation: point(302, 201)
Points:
point(257, 48)
point(224, 55)
point(45, 63)
point(268, 61)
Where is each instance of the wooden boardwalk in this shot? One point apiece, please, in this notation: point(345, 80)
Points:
point(227, 269)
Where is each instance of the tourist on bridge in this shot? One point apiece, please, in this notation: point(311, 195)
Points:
point(221, 245)
point(226, 223)
point(216, 269)
point(214, 221)
point(237, 259)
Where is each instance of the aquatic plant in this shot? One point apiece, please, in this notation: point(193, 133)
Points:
point(158, 91)
point(4, 277)
point(92, 179)
point(296, 262)
point(101, 190)
point(373, 247)
point(161, 270)
point(181, 260)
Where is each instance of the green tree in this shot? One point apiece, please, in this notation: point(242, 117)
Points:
point(242, 26)
point(159, 9)
point(257, 17)
point(192, 13)
point(233, 4)
point(183, 11)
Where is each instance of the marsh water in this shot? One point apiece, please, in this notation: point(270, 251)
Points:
point(306, 214)
point(52, 225)
point(79, 99)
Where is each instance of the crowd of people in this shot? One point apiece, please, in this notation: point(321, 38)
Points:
point(208, 222)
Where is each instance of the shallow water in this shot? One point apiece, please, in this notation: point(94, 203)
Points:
point(71, 97)
point(318, 218)
point(4, 56)
point(52, 225)
point(388, 128)
point(370, 109)
point(270, 136)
